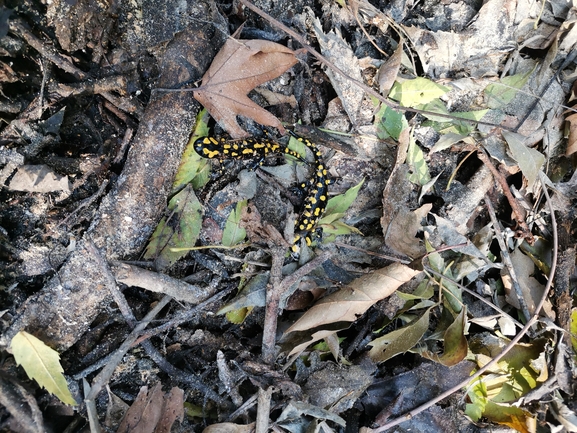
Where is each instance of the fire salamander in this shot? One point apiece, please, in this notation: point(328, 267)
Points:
point(314, 203)
point(247, 148)
point(316, 187)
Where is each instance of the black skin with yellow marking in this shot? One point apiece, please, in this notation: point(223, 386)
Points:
point(251, 148)
point(315, 202)
point(247, 148)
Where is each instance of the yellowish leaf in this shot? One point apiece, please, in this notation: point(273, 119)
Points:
point(41, 363)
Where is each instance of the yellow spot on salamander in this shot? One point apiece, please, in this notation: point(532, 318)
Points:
point(209, 153)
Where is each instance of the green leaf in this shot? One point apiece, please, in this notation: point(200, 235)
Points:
point(251, 295)
point(233, 233)
point(400, 340)
point(193, 168)
point(329, 219)
point(41, 363)
point(416, 160)
point(530, 160)
point(455, 343)
point(500, 94)
point(181, 231)
point(447, 141)
point(446, 125)
point(511, 416)
point(298, 146)
point(477, 393)
point(412, 93)
point(436, 106)
point(237, 317)
point(390, 123)
point(338, 228)
point(342, 202)
point(424, 290)
point(574, 330)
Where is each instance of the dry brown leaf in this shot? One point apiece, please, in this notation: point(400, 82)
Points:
point(389, 70)
point(238, 68)
point(349, 303)
point(153, 412)
point(259, 231)
point(173, 410)
point(401, 233)
point(477, 49)
point(229, 427)
point(572, 140)
point(315, 336)
point(144, 413)
point(531, 288)
point(339, 52)
point(274, 98)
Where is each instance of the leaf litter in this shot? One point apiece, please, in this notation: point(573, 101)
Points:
point(423, 305)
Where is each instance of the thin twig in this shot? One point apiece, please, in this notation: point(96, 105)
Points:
point(277, 288)
point(517, 211)
point(104, 376)
point(262, 415)
point(179, 375)
point(185, 316)
point(127, 344)
point(50, 53)
point(372, 253)
point(507, 259)
point(244, 408)
point(273, 295)
point(509, 346)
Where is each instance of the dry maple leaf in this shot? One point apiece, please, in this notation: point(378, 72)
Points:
point(238, 68)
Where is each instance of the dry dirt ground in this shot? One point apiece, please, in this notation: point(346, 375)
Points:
point(444, 134)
